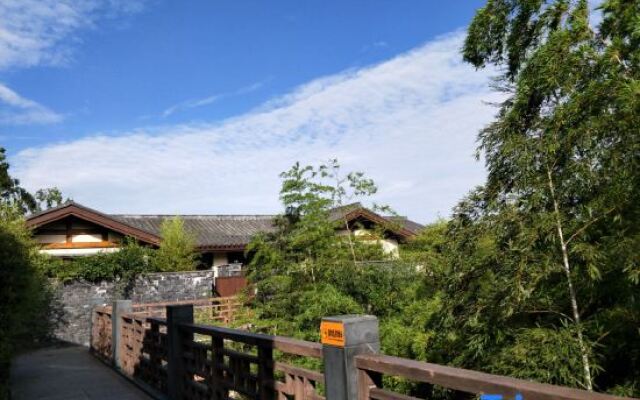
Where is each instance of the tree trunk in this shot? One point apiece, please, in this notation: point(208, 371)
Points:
point(351, 247)
point(572, 293)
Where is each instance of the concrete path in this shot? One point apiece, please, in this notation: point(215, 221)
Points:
point(68, 373)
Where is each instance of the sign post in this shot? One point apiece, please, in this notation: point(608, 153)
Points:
point(343, 338)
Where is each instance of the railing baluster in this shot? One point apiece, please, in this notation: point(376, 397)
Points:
point(265, 372)
point(217, 372)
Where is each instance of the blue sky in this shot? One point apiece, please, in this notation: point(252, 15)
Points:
point(195, 107)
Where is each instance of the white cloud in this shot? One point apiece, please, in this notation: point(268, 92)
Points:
point(410, 123)
point(37, 32)
point(16, 110)
point(195, 103)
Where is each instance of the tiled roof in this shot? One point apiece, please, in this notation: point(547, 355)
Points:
point(407, 223)
point(208, 230)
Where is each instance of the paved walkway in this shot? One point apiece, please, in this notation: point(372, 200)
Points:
point(68, 373)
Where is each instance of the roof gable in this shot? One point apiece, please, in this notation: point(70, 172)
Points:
point(74, 209)
point(354, 211)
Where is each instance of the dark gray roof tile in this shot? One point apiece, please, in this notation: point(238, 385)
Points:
point(208, 230)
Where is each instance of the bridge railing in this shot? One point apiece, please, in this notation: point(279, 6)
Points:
point(175, 358)
point(185, 360)
point(372, 367)
point(101, 333)
point(217, 362)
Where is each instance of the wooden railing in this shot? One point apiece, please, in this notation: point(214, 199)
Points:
point(220, 361)
point(178, 359)
point(372, 367)
point(101, 333)
point(220, 309)
point(215, 362)
point(144, 349)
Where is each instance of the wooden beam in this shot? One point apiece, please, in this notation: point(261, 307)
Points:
point(80, 245)
point(68, 233)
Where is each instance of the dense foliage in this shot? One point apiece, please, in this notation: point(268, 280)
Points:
point(25, 298)
point(545, 255)
point(304, 270)
point(177, 249)
point(121, 266)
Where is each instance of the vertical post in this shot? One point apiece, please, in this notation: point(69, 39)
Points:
point(265, 371)
point(343, 338)
point(119, 308)
point(217, 387)
point(176, 315)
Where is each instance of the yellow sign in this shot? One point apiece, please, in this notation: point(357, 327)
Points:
point(332, 333)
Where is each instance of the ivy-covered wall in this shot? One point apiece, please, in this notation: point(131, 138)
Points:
point(76, 299)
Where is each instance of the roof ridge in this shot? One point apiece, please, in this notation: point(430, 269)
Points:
point(193, 215)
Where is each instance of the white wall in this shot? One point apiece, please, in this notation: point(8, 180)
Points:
point(389, 245)
point(93, 238)
point(77, 252)
point(220, 259)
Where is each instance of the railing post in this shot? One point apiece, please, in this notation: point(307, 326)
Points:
point(176, 315)
point(119, 308)
point(343, 338)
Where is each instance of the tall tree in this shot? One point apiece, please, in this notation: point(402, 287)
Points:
point(11, 193)
point(49, 197)
point(177, 248)
point(563, 155)
point(305, 268)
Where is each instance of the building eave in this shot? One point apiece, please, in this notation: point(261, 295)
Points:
point(76, 210)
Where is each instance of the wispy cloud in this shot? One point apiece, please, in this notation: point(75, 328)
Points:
point(17, 110)
point(195, 103)
point(41, 32)
point(410, 123)
point(379, 44)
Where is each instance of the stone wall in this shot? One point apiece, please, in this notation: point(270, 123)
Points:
point(77, 299)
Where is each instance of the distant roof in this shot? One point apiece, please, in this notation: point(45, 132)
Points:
point(407, 223)
point(212, 232)
point(397, 223)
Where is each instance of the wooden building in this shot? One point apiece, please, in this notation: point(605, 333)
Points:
point(73, 230)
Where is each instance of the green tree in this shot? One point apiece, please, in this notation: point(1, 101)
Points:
point(25, 297)
point(562, 190)
point(306, 232)
point(305, 269)
point(11, 193)
point(49, 197)
point(177, 249)
point(429, 247)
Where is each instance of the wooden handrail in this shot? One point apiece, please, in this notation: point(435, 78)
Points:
point(232, 300)
point(148, 346)
point(284, 344)
point(471, 381)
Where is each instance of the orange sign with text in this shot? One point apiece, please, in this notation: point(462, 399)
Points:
point(332, 333)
